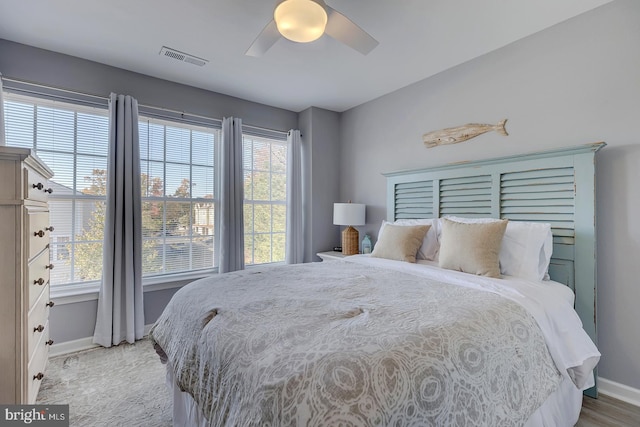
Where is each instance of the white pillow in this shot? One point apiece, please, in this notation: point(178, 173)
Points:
point(526, 248)
point(430, 245)
point(527, 252)
point(545, 255)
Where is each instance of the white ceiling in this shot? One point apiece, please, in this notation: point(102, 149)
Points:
point(418, 38)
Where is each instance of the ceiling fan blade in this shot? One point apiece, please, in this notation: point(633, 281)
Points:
point(346, 31)
point(267, 37)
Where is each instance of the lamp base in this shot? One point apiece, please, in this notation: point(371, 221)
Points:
point(350, 241)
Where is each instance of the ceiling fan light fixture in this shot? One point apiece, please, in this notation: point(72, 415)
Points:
point(301, 21)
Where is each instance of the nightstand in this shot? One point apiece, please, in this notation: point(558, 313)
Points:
point(331, 255)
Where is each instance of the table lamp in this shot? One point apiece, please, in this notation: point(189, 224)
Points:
point(349, 214)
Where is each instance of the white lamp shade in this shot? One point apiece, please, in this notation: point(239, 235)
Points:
point(348, 214)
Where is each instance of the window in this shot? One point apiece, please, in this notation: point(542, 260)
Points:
point(265, 194)
point(72, 140)
point(178, 196)
point(179, 189)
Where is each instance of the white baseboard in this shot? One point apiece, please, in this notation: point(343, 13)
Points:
point(72, 346)
point(619, 391)
point(79, 345)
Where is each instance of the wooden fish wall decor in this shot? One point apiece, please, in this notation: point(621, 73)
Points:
point(461, 133)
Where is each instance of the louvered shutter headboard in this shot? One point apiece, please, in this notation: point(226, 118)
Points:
point(555, 186)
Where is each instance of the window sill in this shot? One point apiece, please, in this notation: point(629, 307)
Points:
point(70, 294)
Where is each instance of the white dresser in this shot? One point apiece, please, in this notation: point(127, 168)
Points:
point(24, 274)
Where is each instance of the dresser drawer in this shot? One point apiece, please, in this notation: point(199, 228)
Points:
point(37, 367)
point(37, 186)
point(38, 277)
point(38, 230)
point(37, 322)
point(24, 277)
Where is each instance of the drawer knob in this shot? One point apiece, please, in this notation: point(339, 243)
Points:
point(50, 304)
point(48, 190)
point(40, 328)
point(50, 266)
point(49, 228)
point(39, 186)
point(50, 342)
point(39, 376)
point(38, 233)
point(40, 281)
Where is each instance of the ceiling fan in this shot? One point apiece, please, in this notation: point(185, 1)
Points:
point(304, 21)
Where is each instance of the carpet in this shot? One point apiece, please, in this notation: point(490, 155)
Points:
point(117, 386)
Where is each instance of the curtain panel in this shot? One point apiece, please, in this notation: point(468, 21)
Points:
point(120, 301)
point(231, 197)
point(294, 252)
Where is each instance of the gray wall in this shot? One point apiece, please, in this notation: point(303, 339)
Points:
point(320, 143)
point(575, 83)
point(68, 72)
point(77, 320)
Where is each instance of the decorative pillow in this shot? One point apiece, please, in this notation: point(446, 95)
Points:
point(429, 248)
point(472, 248)
point(400, 242)
point(526, 247)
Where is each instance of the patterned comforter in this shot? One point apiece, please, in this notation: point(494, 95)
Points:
point(338, 343)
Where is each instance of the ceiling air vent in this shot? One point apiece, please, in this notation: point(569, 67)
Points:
point(181, 56)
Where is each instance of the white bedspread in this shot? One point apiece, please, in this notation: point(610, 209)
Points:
point(370, 341)
point(549, 302)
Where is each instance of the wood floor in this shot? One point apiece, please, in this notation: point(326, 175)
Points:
point(607, 411)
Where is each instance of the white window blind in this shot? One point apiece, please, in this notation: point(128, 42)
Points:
point(72, 140)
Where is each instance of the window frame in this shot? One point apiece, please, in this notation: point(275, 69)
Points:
point(163, 277)
point(87, 290)
point(75, 196)
point(269, 138)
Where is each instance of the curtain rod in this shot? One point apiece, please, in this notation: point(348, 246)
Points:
point(105, 98)
point(30, 83)
point(281, 132)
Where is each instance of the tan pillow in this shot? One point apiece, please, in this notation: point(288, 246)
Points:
point(472, 248)
point(400, 242)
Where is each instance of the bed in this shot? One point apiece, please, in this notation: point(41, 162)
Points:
point(376, 341)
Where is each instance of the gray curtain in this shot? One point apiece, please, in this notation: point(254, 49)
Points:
point(294, 252)
point(120, 305)
point(231, 197)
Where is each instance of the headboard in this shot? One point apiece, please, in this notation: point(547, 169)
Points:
point(555, 186)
